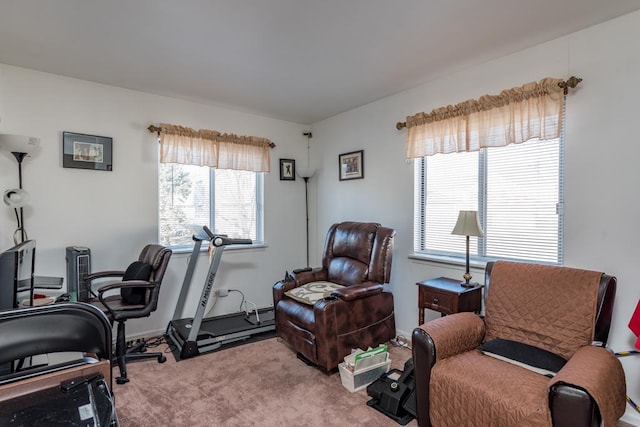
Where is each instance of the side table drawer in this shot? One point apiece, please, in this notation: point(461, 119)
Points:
point(448, 297)
point(438, 301)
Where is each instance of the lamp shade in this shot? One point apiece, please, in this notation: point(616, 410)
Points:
point(16, 197)
point(468, 224)
point(19, 143)
point(305, 172)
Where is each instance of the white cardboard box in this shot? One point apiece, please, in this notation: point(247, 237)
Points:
point(356, 381)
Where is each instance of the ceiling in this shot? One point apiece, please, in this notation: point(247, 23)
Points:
point(295, 60)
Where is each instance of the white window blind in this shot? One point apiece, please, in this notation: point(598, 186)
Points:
point(236, 204)
point(517, 191)
point(450, 185)
point(523, 202)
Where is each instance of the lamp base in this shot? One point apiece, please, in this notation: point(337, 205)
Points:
point(467, 279)
point(468, 285)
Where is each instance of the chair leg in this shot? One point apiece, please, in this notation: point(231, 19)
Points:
point(121, 354)
point(137, 352)
point(139, 347)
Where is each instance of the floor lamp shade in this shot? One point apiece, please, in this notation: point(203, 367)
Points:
point(20, 146)
point(19, 143)
point(16, 198)
point(468, 224)
point(306, 173)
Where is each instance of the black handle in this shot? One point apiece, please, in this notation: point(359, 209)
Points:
point(223, 239)
point(209, 232)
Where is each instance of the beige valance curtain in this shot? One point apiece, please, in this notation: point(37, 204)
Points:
point(179, 144)
point(516, 115)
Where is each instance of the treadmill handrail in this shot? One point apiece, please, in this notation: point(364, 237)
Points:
point(200, 236)
point(220, 239)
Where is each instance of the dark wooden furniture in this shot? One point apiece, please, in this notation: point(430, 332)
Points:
point(447, 297)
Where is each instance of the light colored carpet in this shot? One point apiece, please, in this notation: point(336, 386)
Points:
point(261, 383)
point(257, 384)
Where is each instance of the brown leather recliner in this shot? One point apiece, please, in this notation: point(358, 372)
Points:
point(560, 310)
point(359, 314)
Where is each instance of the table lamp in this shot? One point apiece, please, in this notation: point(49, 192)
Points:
point(468, 225)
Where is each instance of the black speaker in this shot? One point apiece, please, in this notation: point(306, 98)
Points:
point(78, 266)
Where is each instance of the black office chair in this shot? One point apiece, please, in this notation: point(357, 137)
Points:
point(139, 289)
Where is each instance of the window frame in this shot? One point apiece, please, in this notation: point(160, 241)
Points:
point(479, 257)
point(259, 196)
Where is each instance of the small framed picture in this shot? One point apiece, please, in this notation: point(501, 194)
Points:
point(86, 151)
point(351, 165)
point(287, 170)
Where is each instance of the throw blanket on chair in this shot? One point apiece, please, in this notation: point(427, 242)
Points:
point(544, 306)
point(556, 312)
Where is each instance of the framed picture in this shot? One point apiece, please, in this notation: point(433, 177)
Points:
point(287, 170)
point(351, 165)
point(86, 151)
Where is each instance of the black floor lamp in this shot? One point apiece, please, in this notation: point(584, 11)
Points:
point(306, 204)
point(306, 174)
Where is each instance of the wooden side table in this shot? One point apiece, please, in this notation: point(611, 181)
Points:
point(447, 297)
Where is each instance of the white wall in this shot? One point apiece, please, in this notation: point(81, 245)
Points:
point(116, 213)
point(602, 176)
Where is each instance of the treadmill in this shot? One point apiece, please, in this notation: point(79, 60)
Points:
point(198, 335)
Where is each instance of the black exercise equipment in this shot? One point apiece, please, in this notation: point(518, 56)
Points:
point(197, 335)
point(393, 394)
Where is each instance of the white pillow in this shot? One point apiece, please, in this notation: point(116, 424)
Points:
point(312, 292)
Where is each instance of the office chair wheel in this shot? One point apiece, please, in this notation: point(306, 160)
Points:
point(162, 359)
point(122, 380)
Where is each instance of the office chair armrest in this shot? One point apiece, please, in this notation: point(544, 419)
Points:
point(364, 290)
point(122, 285)
point(127, 284)
point(103, 274)
point(90, 277)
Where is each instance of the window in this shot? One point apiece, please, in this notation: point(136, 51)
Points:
point(228, 201)
point(516, 189)
point(505, 159)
